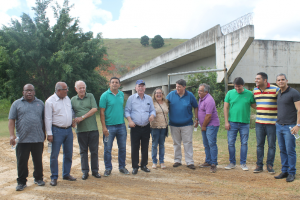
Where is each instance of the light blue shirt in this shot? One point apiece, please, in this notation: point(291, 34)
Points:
point(139, 109)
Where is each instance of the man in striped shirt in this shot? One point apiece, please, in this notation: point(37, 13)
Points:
point(265, 96)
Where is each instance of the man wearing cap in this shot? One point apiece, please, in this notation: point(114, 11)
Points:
point(181, 104)
point(139, 111)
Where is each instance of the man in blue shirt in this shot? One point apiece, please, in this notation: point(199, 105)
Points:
point(139, 111)
point(181, 103)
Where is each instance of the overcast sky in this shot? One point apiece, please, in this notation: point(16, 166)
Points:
point(273, 19)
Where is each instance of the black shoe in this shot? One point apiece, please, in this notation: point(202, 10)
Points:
point(69, 178)
point(135, 171)
point(191, 166)
point(124, 171)
point(20, 187)
point(53, 182)
point(39, 182)
point(282, 175)
point(177, 164)
point(258, 169)
point(85, 176)
point(96, 175)
point(290, 178)
point(145, 169)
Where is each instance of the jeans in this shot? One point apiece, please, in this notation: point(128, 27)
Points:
point(158, 137)
point(210, 144)
point(287, 145)
point(243, 129)
point(23, 151)
point(263, 131)
point(88, 140)
point(62, 137)
point(139, 137)
point(118, 131)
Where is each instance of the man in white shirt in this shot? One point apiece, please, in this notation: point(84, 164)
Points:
point(58, 121)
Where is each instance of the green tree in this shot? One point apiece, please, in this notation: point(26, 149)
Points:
point(145, 40)
point(217, 90)
point(157, 42)
point(33, 52)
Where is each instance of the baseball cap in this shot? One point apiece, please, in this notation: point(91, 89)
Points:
point(138, 82)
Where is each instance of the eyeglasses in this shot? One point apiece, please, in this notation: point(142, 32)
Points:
point(65, 89)
point(158, 92)
point(28, 90)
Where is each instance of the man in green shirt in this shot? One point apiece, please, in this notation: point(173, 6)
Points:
point(238, 101)
point(85, 107)
point(113, 124)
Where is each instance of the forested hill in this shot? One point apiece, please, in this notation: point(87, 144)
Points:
point(127, 54)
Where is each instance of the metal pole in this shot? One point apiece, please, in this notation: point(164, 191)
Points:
point(168, 84)
point(226, 80)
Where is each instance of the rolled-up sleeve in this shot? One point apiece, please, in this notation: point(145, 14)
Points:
point(128, 107)
point(48, 117)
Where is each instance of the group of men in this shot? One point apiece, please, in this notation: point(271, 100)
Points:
point(278, 111)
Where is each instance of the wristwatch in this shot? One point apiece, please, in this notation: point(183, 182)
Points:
point(196, 119)
point(82, 117)
point(298, 125)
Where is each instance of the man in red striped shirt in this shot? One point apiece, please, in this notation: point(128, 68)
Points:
point(265, 96)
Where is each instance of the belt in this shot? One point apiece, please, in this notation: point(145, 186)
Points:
point(141, 126)
point(61, 127)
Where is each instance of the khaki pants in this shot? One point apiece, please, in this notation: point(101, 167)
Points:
point(184, 134)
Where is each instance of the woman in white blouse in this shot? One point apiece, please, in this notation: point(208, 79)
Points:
point(159, 126)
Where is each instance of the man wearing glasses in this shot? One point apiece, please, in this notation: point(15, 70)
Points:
point(58, 121)
point(85, 107)
point(27, 116)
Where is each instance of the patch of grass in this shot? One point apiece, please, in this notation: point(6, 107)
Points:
point(4, 128)
point(131, 53)
point(4, 108)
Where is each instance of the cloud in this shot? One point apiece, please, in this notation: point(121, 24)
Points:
point(5, 19)
point(277, 20)
point(169, 18)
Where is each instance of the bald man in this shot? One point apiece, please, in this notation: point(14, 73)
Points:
point(26, 115)
point(85, 107)
point(58, 121)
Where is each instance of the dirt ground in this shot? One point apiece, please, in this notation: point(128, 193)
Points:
point(169, 183)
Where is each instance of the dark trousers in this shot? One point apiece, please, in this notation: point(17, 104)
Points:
point(89, 140)
point(23, 151)
point(139, 137)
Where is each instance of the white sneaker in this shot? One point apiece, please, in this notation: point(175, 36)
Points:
point(162, 165)
point(230, 166)
point(244, 167)
point(154, 166)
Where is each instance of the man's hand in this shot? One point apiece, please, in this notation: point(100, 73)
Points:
point(50, 138)
point(78, 120)
point(227, 126)
point(151, 118)
point(73, 123)
point(105, 131)
point(12, 140)
point(195, 123)
point(295, 130)
point(203, 128)
point(131, 124)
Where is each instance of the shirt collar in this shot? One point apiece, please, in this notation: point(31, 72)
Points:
point(109, 91)
point(287, 89)
point(56, 97)
point(138, 96)
point(23, 99)
point(185, 93)
point(268, 85)
point(83, 97)
point(204, 97)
